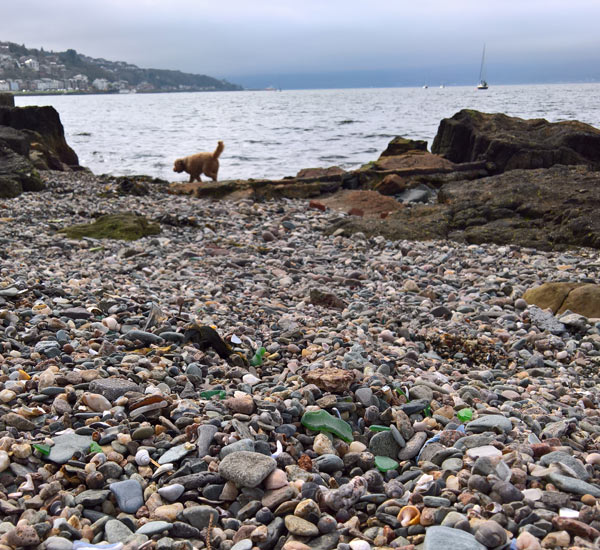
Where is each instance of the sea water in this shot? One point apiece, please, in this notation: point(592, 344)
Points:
point(273, 134)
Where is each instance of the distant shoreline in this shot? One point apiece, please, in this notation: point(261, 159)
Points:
point(112, 92)
point(146, 92)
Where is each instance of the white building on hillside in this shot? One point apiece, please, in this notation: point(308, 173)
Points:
point(101, 84)
point(32, 64)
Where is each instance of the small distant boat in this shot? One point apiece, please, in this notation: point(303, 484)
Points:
point(483, 85)
point(425, 87)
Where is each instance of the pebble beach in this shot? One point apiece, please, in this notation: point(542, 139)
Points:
point(407, 396)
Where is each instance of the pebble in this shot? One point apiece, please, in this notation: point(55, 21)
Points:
point(300, 527)
point(58, 543)
point(171, 492)
point(128, 494)
point(176, 453)
point(116, 531)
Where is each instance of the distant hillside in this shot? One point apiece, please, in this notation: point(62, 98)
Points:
point(27, 69)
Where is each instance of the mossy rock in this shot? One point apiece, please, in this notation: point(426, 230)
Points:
point(123, 226)
point(10, 187)
point(17, 174)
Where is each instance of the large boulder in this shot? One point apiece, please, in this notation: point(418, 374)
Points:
point(512, 143)
point(45, 133)
point(559, 297)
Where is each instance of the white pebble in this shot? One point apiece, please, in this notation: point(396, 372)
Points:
point(250, 379)
point(4, 461)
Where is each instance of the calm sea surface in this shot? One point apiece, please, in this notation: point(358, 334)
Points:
point(275, 134)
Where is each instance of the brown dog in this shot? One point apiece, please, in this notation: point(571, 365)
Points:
point(200, 163)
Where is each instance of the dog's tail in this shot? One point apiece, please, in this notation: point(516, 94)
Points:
point(218, 150)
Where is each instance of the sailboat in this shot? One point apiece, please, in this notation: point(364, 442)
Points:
point(483, 85)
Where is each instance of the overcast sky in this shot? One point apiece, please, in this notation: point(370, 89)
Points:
point(237, 39)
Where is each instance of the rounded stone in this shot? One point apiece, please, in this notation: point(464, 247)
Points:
point(300, 527)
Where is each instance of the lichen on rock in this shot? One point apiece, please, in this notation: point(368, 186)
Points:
point(124, 226)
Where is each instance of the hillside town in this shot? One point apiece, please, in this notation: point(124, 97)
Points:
point(24, 70)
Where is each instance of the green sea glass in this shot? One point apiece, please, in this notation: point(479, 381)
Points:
point(95, 448)
point(384, 463)
point(378, 428)
point(322, 421)
point(44, 449)
point(400, 392)
point(258, 357)
point(464, 415)
point(209, 394)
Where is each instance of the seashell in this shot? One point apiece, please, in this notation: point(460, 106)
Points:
point(111, 323)
point(278, 451)
point(409, 515)
point(491, 534)
point(556, 538)
point(526, 541)
point(164, 468)
point(493, 508)
point(423, 483)
point(28, 484)
point(142, 457)
point(99, 459)
point(593, 458)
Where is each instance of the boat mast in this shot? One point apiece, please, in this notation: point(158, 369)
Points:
point(481, 75)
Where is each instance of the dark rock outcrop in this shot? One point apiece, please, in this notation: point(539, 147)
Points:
point(31, 139)
point(512, 143)
point(553, 208)
point(7, 99)
point(46, 135)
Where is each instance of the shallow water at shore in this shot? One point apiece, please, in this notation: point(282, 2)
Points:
point(275, 134)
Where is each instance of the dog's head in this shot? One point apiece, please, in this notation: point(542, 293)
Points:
point(179, 166)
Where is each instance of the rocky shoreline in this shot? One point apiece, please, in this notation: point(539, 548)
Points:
point(251, 374)
point(408, 394)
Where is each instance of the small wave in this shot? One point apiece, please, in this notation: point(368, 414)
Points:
point(143, 156)
point(84, 134)
point(332, 157)
point(348, 121)
point(375, 136)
